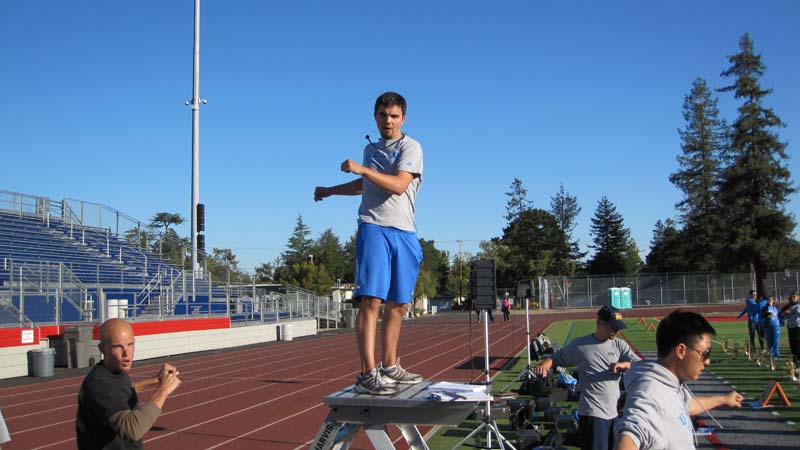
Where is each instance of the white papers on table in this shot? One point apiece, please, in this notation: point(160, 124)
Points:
point(446, 391)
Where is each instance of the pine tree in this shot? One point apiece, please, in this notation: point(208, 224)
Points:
point(565, 209)
point(703, 141)
point(611, 240)
point(327, 250)
point(536, 246)
point(299, 245)
point(756, 184)
point(667, 249)
point(517, 201)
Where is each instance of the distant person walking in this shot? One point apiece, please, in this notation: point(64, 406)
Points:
point(791, 316)
point(752, 310)
point(387, 251)
point(762, 324)
point(506, 307)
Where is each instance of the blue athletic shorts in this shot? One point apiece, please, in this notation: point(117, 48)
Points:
point(387, 263)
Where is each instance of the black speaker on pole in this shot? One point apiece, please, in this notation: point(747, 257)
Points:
point(483, 281)
point(201, 217)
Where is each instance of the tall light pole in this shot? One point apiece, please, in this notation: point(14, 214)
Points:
point(195, 102)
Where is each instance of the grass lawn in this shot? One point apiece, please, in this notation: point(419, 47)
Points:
point(741, 373)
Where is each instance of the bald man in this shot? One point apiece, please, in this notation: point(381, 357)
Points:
point(109, 415)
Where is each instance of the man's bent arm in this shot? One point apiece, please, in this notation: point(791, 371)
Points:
point(543, 366)
point(626, 443)
point(140, 386)
point(393, 184)
point(702, 404)
point(132, 424)
point(351, 188)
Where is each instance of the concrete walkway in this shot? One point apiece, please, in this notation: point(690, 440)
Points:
point(745, 428)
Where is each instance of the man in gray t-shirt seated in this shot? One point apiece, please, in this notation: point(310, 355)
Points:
point(601, 359)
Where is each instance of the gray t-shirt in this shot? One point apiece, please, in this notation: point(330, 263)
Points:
point(599, 388)
point(793, 315)
point(383, 208)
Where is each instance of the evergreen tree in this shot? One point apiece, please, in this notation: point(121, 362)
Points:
point(458, 279)
point(328, 251)
point(349, 260)
point(565, 209)
point(517, 201)
point(536, 245)
point(611, 240)
point(667, 249)
point(703, 141)
point(299, 245)
point(437, 262)
point(631, 259)
point(496, 249)
point(265, 273)
point(756, 184)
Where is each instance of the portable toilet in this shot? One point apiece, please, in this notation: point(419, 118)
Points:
point(625, 298)
point(614, 297)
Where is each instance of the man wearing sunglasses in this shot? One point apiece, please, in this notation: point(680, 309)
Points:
point(387, 251)
point(659, 406)
point(601, 359)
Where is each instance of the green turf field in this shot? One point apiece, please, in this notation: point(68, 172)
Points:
point(743, 374)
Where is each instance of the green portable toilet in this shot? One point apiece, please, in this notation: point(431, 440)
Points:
point(614, 297)
point(625, 298)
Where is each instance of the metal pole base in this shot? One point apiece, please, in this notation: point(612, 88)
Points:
point(524, 374)
point(491, 428)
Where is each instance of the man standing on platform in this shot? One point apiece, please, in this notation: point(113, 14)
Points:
point(388, 253)
point(601, 359)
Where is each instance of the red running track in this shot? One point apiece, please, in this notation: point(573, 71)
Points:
point(265, 397)
point(269, 396)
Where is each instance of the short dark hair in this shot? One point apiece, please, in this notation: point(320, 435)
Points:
point(752, 292)
point(681, 327)
point(390, 99)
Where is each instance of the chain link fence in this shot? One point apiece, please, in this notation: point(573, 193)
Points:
point(666, 288)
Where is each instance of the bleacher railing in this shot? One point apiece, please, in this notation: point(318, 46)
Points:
point(47, 293)
point(167, 291)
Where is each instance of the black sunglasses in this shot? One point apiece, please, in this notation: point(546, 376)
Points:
point(706, 355)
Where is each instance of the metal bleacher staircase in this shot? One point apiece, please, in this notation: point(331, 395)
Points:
point(50, 253)
point(76, 261)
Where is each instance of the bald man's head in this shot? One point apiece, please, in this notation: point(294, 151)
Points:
point(117, 345)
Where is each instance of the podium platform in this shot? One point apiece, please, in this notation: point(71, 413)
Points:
point(412, 405)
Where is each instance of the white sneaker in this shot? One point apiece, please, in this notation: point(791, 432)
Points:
point(373, 383)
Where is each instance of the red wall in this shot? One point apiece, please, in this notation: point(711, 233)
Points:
point(12, 337)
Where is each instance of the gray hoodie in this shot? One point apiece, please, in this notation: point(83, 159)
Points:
point(656, 409)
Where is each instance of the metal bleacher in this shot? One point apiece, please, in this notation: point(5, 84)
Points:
point(61, 260)
point(59, 265)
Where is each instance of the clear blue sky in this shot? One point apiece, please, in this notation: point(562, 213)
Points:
point(586, 93)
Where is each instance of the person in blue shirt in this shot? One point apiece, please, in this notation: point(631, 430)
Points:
point(762, 324)
point(772, 328)
point(751, 308)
